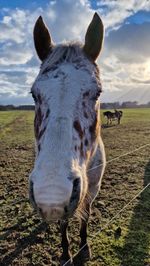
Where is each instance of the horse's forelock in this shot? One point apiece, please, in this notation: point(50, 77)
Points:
point(68, 52)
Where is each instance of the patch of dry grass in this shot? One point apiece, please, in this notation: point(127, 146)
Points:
point(26, 240)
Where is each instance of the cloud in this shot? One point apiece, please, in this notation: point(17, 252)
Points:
point(115, 12)
point(68, 20)
point(130, 42)
point(7, 98)
point(124, 60)
point(125, 63)
point(14, 54)
point(18, 59)
point(12, 26)
point(141, 95)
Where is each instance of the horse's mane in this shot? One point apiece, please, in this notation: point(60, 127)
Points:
point(68, 52)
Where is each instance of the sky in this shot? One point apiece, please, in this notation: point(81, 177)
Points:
point(124, 61)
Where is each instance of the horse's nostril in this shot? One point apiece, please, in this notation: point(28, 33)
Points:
point(66, 209)
point(76, 190)
point(40, 210)
point(76, 184)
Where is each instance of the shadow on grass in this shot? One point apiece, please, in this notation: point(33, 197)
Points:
point(23, 243)
point(18, 226)
point(108, 125)
point(136, 250)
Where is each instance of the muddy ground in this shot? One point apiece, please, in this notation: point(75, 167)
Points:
point(26, 240)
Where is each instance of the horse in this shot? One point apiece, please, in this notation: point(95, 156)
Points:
point(113, 116)
point(70, 154)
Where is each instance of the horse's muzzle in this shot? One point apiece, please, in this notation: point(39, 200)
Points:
point(51, 212)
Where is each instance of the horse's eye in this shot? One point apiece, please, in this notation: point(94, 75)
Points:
point(98, 94)
point(95, 97)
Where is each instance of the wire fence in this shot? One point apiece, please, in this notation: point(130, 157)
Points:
point(122, 209)
point(122, 155)
point(125, 206)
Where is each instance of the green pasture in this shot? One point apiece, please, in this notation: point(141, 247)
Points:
point(124, 241)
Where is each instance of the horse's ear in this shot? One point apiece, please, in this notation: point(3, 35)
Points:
point(94, 38)
point(42, 39)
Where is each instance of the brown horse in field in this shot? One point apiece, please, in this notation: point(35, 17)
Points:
point(117, 115)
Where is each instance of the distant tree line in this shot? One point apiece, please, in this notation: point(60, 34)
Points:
point(12, 107)
point(115, 105)
point(118, 105)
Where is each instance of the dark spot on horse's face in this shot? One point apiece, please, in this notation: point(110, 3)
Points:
point(75, 148)
point(96, 95)
point(85, 115)
point(78, 128)
point(86, 142)
point(92, 129)
point(42, 132)
point(39, 116)
point(47, 113)
point(81, 150)
point(39, 147)
point(85, 94)
point(83, 104)
point(39, 99)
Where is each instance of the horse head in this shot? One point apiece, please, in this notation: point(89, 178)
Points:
point(66, 94)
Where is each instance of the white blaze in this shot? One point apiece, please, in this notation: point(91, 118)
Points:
point(61, 90)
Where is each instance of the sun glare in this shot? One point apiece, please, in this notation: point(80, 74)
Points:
point(147, 69)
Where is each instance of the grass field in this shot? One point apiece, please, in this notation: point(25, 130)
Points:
point(26, 240)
